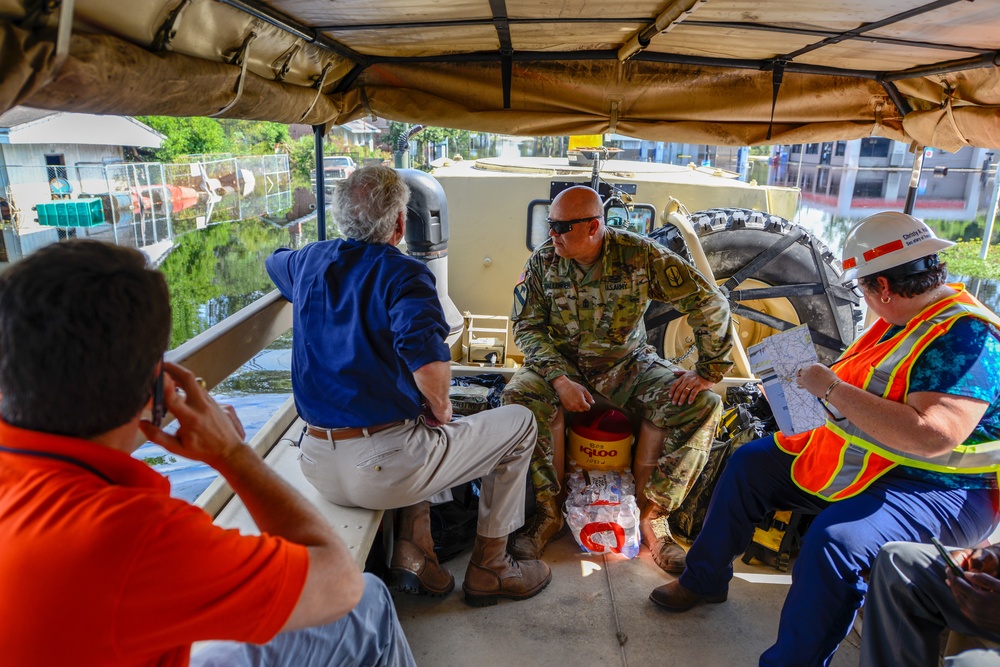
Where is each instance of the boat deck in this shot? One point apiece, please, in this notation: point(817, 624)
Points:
point(592, 602)
point(596, 610)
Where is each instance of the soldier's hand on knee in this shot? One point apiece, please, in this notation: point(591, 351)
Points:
point(572, 395)
point(687, 386)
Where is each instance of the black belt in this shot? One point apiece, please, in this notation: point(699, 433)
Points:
point(347, 433)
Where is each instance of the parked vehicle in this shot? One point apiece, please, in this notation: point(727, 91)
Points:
point(335, 168)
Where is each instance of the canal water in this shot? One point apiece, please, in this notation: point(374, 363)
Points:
point(212, 274)
point(216, 271)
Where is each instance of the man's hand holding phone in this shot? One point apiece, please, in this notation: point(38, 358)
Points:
point(975, 587)
point(949, 562)
point(206, 432)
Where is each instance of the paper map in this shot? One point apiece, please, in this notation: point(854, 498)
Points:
point(775, 361)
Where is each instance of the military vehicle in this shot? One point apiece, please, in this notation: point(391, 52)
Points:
point(776, 274)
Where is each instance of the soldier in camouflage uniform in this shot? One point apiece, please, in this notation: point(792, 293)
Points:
point(578, 319)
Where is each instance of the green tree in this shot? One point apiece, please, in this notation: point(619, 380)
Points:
point(301, 158)
point(302, 155)
point(200, 136)
point(458, 140)
point(186, 136)
point(963, 260)
point(253, 137)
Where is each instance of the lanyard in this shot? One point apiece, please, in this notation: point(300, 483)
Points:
point(58, 457)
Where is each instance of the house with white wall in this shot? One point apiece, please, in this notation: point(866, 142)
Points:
point(51, 154)
point(361, 132)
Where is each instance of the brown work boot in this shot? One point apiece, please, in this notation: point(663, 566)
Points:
point(674, 597)
point(528, 543)
point(667, 554)
point(493, 574)
point(414, 567)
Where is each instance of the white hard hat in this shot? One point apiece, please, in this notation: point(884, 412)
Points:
point(886, 240)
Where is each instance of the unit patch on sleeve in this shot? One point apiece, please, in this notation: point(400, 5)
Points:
point(520, 298)
point(674, 277)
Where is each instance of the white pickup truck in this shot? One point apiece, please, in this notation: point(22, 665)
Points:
point(335, 168)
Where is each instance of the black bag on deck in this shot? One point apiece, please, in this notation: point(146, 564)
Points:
point(474, 393)
point(747, 417)
point(453, 524)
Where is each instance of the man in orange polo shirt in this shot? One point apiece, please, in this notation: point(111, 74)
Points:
point(98, 564)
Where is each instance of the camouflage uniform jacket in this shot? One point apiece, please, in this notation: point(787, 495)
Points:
point(571, 320)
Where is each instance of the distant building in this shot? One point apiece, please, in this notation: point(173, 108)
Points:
point(54, 154)
point(847, 179)
point(854, 178)
point(361, 132)
point(667, 152)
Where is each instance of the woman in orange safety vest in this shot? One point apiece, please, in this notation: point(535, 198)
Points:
point(874, 424)
point(840, 459)
point(910, 449)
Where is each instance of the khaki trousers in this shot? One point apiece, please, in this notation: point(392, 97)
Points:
point(411, 462)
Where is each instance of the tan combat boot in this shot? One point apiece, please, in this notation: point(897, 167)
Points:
point(493, 574)
point(529, 541)
point(414, 566)
point(655, 532)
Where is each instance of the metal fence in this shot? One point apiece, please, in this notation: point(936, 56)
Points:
point(143, 205)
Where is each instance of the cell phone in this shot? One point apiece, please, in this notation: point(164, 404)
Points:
point(159, 409)
point(955, 569)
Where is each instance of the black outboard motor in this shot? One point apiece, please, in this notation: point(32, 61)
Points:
point(426, 216)
point(427, 236)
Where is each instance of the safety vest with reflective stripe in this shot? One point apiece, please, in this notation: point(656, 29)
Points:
point(839, 460)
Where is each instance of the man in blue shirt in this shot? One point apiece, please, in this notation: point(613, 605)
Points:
point(371, 376)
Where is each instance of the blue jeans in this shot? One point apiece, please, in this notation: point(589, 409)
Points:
point(838, 549)
point(369, 636)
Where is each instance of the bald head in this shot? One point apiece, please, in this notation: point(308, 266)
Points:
point(578, 201)
point(582, 207)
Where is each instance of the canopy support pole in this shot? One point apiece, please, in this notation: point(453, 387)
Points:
point(776, 76)
point(991, 215)
point(320, 184)
point(501, 22)
point(911, 193)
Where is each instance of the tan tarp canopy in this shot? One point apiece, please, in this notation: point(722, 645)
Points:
point(737, 72)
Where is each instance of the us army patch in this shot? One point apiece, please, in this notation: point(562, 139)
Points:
point(674, 276)
point(520, 298)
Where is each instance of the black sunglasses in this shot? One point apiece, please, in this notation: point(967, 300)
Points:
point(563, 226)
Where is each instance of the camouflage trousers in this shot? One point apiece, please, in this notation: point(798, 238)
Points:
point(690, 429)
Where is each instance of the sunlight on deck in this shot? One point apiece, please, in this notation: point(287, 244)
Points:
point(596, 612)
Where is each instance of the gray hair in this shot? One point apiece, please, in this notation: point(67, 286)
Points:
point(367, 204)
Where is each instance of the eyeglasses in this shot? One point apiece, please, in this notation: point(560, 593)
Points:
point(855, 288)
point(564, 226)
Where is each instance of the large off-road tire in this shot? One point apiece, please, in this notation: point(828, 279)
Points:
point(802, 282)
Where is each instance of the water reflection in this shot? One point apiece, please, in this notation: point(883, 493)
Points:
point(844, 182)
point(213, 273)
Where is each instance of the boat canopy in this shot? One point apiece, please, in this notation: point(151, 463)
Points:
point(729, 72)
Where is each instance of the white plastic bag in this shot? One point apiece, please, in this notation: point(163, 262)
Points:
point(602, 513)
